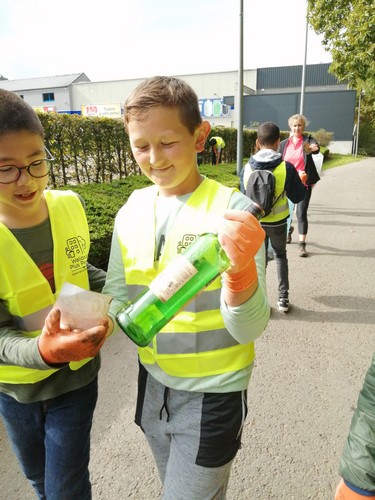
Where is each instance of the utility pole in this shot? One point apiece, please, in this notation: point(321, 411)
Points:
point(240, 98)
point(359, 115)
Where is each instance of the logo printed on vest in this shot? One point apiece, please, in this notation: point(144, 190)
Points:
point(75, 251)
point(185, 242)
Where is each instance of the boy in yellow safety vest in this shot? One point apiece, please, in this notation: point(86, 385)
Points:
point(48, 371)
point(193, 376)
point(288, 185)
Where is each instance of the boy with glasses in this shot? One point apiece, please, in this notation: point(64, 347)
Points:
point(48, 371)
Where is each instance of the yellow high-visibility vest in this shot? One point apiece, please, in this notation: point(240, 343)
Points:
point(25, 291)
point(280, 210)
point(195, 343)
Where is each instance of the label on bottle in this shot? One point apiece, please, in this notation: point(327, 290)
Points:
point(172, 278)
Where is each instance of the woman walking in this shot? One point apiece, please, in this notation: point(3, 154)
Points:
point(297, 149)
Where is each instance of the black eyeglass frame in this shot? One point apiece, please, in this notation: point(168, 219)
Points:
point(27, 167)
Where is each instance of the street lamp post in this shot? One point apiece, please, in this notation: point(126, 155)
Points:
point(304, 70)
point(240, 98)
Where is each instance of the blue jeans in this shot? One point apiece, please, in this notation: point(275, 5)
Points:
point(290, 218)
point(51, 440)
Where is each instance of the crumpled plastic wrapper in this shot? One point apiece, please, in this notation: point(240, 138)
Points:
point(81, 309)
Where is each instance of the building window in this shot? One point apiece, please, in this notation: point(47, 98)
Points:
point(50, 96)
point(229, 101)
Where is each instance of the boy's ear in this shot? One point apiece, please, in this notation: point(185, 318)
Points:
point(257, 144)
point(202, 133)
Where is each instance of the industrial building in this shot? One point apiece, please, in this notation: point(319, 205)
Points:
point(269, 94)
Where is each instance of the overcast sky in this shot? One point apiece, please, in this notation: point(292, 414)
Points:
point(121, 39)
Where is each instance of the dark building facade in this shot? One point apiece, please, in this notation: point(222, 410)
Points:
point(328, 104)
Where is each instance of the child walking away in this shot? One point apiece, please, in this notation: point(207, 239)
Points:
point(193, 376)
point(284, 182)
point(48, 371)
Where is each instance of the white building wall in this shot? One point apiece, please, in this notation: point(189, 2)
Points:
point(208, 86)
point(340, 147)
point(101, 92)
point(205, 85)
point(35, 98)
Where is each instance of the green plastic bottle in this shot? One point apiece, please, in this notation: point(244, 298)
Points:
point(202, 261)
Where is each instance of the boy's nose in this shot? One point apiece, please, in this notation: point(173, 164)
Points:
point(156, 157)
point(24, 178)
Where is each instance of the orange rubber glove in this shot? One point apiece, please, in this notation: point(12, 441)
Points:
point(59, 344)
point(241, 236)
point(303, 176)
point(345, 493)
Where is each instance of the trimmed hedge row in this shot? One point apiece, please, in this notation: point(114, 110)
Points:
point(91, 150)
point(87, 150)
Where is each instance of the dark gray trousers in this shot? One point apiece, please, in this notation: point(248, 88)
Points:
point(277, 237)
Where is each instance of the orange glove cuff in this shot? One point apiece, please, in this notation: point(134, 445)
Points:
point(241, 280)
point(343, 492)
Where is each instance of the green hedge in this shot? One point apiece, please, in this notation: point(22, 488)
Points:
point(91, 150)
point(87, 150)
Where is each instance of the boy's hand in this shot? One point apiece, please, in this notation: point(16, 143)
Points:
point(59, 344)
point(345, 493)
point(241, 236)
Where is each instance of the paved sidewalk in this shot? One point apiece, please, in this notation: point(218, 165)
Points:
point(310, 366)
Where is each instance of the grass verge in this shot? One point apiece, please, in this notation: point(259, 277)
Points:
point(337, 160)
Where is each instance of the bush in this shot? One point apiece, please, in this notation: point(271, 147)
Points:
point(366, 145)
point(322, 136)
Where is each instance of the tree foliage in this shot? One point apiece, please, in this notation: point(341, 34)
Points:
point(348, 29)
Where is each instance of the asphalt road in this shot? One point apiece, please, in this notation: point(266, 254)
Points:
point(310, 366)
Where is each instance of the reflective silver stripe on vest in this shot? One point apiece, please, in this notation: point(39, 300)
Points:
point(190, 343)
point(203, 302)
point(280, 208)
point(33, 321)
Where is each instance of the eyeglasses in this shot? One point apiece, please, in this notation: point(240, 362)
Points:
point(38, 168)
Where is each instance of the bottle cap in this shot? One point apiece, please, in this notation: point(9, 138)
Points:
point(255, 210)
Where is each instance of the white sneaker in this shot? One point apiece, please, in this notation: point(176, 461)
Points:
point(283, 304)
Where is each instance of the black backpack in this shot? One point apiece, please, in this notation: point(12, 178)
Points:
point(261, 188)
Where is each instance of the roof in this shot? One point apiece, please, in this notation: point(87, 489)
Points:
point(42, 82)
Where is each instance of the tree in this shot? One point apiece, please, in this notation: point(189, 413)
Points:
point(348, 29)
